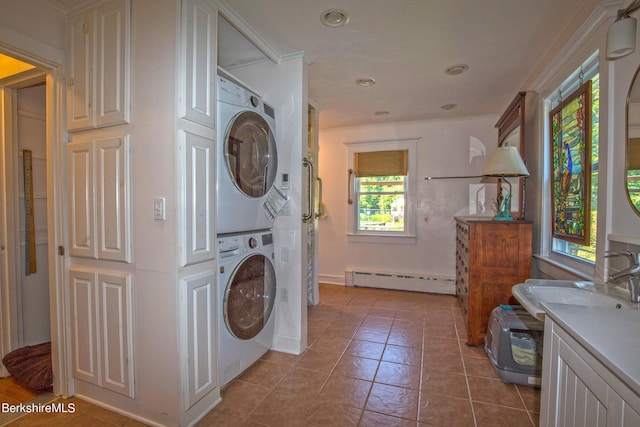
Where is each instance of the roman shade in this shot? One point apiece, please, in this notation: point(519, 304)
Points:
point(381, 163)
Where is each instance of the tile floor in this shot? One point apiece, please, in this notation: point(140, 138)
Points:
point(377, 358)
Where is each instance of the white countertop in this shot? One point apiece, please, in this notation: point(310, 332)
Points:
point(611, 336)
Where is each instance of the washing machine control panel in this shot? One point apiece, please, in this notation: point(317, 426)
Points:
point(232, 245)
point(253, 242)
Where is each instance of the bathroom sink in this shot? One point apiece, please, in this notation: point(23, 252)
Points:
point(573, 296)
point(533, 294)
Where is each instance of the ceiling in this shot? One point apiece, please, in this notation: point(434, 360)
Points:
point(406, 45)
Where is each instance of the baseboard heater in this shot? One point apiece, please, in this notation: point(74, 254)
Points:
point(401, 281)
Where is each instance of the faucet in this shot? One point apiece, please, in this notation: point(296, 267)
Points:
point(631, 273)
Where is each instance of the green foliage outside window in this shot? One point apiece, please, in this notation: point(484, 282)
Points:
point(381, 203)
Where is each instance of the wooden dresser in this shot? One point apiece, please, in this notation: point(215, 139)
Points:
point(491, 257)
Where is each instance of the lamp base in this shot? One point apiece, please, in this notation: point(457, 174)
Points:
point(502, 218)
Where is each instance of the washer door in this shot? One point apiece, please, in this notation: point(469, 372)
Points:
point(249, 297)
point(250, 150)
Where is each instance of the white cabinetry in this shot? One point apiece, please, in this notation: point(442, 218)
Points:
point(578, 390)
point(99, 201)
point(98, 71)
point(101, 326)
point(199, 33)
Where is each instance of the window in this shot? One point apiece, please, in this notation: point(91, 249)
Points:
point(381, 188)
point(589, 70)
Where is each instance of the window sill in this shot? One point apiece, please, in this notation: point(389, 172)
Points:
point(393, 239)
point(551, 263)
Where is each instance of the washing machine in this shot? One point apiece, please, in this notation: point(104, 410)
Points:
point(247, 292)
point(247, 158)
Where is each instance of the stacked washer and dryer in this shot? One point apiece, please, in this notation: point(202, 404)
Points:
point(247, 163)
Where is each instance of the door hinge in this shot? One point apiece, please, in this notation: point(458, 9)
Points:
point(61, 250)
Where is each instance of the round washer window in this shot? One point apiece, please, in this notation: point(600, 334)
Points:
point(250, 150)
point(249, 297)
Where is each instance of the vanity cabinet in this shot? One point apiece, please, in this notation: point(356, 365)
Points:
point(580, 390)
point(491, 257)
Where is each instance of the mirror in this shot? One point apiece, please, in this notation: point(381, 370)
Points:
point(511, 133)
point(632, 176)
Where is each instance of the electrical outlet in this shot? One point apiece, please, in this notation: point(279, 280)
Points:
point(284, 295)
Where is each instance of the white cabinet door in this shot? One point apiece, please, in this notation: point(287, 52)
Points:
point(112, 198)
point(578, 390)
point(84, 327)
point(80, 70)
point(102, 329)
point(80, 175)
point(116, 332)
point(98, 66)
point(198, 304)
point(99, 197)
point(198, 237)
point(112, 63)
point(199, 34)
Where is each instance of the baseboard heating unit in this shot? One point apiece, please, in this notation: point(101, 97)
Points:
point(401, 281)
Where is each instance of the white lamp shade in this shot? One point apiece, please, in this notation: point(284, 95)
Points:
point(506, 161)
point(621, 38)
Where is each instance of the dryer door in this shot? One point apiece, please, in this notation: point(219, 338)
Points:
point(249, 297)
point(250, 151)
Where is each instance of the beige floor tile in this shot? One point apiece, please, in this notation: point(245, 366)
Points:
point(343, 330)
point(480, 367)
point(399, 375)
point(357, 367)
point(281, 409)
point(382, 312)
point(240, 399)
point(366, 349)
point(318, 360)
point(215, 418)
point(440, 345)
point(376, 323)
point(444, 383)
point(264, 373)
point(498, 416)
point(530, 396)
point(404, 355)
point(443, 362)
point(331, 344)
point(372, 335)
point(302, 382)
point(438, 410)
point(494, 391)
point(323, 414)
point(395, 401)
point(345, 391)
point(374, 419)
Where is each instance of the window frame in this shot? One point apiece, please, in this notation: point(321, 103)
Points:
point(409, 233)
point(562, 258)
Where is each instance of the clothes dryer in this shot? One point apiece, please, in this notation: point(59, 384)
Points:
point(247, 158)
point(247, 292)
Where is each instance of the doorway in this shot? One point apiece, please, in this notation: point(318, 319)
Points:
point(32, 298)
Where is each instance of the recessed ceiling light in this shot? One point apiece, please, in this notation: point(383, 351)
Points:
point(447, 107)
point(454, 70)
point(364, 82)
point(334, 18)
point(381, 113)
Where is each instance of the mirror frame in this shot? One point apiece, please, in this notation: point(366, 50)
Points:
point(634, 81)
point(512, 118)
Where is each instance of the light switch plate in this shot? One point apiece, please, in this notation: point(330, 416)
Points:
point(159, 212)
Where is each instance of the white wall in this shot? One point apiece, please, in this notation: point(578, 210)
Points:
point(449, 147)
